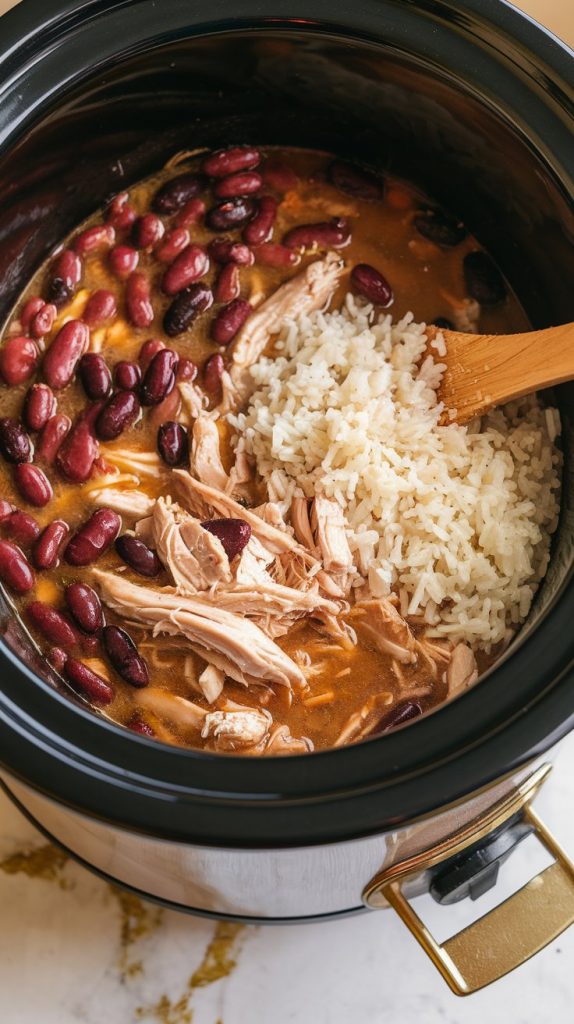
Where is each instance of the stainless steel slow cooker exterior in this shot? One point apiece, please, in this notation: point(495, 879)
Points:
point(475, 102)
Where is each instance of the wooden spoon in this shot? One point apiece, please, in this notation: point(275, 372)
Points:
point(486, 370)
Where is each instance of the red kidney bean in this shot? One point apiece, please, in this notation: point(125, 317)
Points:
point(78, 451)
point(273, 254)
point(138, 725)
point(334, 233)
point(231, 213)
point(39, 405)
point(18, 360)
point(101, 306)
point(148, 230)
point(65, 277)
point(93, 538)
point(398, 715)
point(33, 484)
point(119, 213)
point(123, 260)
point(186, 307)
point(223, 251)
point(279, 175)
point(234, 534)
point(212, 373)
point(191, 213)
point(140, 309)
point(138, 556)
point(119, 413)
point(227, 286)
point(44, 320)
point(177, 192)
point(57, 658)
point(94, 239)
point(127, 376)
point(95, 375)
point(186, 370)
point(173, 443)
point(159, 379)
point(261, 227)
point(46, 549)
point(29, 311)
point(15, 569)
point(90, 644)
point(148, 350)
point(52, 624)
point(440, 228)
point(167, 410)
point(229, 321)
point(52, 436)
point(88, 683)
point(371, 283)
point(241, 184)
point(174, 242)
point(355, 180)
point(15, 444)
point(230, 161)
point(123, 655)
point(6, 510)
point(483, 279)
point(22, 528)
point(64, 353)
point(85, 606)
point(189, 266)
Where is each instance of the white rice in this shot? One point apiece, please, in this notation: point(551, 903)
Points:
point(455, 519)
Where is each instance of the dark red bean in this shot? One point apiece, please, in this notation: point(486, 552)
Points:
point(88, 683)
point(85, 606)
point(177, 192)
point(95, 375)
point(188, 267)
point(148, 350)
point(234, 534)
point(440, 228)
point(6, 510)
point(44, 320)
point(57, 658)
point(212, 373)
point(46, 549)
point(138, 302)
point(355, 180)
point(138, 556)
point(33, 484)
point(93, 538)
point(127, 376)
point(398, 715)
point(18, 360)
point(52, 436)
point(138, 725)
point(64, 353)
point(261, 227)
point(173, 443)
point(230, 161)
point(39, 405)
point(223, 251)
point(52, 624)
point(174, 242)
point(95, 239)
point(119, 413)
point(15, 569)
point(483, 279)
point(123, 260)
point(159, 379)
point(191, 213)
point(279, 176)
point(231, 213)
point(78, 452)
point(273, 254)
point(227, 285)
point(65, 277)
point(29, 311)
point(169, 409)
point(371, 283)
point(123, 655)
point(15, 444)
point(22, 528)
point(244, 183)
point(119, 213)
point(334, 233)
point(186, 307)
point(229, 321)
point(186, 370)
point(148, 230)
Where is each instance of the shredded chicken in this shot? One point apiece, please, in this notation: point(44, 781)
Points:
point(183, 713)
point(390, 633)
point(195, 558)
point(210, 682)
point(360, 724)
point(194, 401)
point(205, 462)
point(233, 730)
point(462, 670)
point(282, 742)
point(134, 461)
point(132, 504)
point(301, 522)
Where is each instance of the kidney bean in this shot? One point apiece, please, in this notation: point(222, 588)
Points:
point(138, 556)
point(172, 245)
point(440, 228)
point(334, 233)
point(52, 624)
point(15, 569)
point(227, 286)
point(140, 309)
point(6, 510)
point(78, 451)
point(279, 176)
point(15, 444)
point(46, 549)
point(443, 323)
point(65, 277)
point(88, 683)
point(186, 307)
point(148, 350)
point(64, 353)
point(212, 373)
point(261, 227)
point(22, 528)
point(118, 414)
point(39, 405)
point(94, 239)
point(127, 376)
point(33, 484)
point(57, 658)
point(101, 306)
point(191, 213)
point(241, 184)
point(18, 360)
point(223, 251)
point(189, 266)
point(119, 213)
point(229, 320)
point(273, 254)
point(371, 283)
point(231, 213)
point(148, 230)
point(398, 715)
point(123, 260)
point(138, 725)
point(95, 375)
point(44, 320)
point(93, 538)
point(483, 279)
point(356, 181)
point(186, 370)
point(169, 409)
point(159, 377)
point(52, 436)
point(85, 606)
point(173, 443)
point(29, 311)
point(234, 534)
point(230, 161)
point(123, 655)
point(177, 192)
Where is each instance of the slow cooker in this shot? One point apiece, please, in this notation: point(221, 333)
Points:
point(473, 101)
